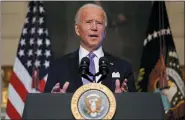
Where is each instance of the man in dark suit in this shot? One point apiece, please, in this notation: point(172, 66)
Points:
point(90, 26)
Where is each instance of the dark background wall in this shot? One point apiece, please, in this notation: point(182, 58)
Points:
point(127, 24)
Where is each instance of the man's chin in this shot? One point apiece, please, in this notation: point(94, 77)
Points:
point(94, 46)
point(94, 43)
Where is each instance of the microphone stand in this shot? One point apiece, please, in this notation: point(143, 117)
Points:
point(93, 77)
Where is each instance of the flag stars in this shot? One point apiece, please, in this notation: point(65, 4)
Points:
point(24, 31)
point(41, 9)
point(37, 63)
point(155, 34)
point(28, 63)
point(34, 20)
point(40, 31)
point(173, 54)
point(174, 64)
point(21, 53)
point(31, 41)
point(34, 9)
point(22, 42)
point(149, 37)
point(46, 32)
point(181, 97)
point(163, 32)
point(170, 53)
point(39, 42)
point(46, 64)
point(178, 66)
point(145, 42)
point(47, 53)
point(41, 20)
point(32, 30)
point(168, 31)
point(30, 52)
point(47, 42)
point(176, 98)
point(159, 33)
point(32, 44)
point(39, 52)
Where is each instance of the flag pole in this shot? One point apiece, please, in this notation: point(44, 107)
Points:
point(163, 78)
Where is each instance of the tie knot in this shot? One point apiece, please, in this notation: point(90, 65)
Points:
point(91, 55)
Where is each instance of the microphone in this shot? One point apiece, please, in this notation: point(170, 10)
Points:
point(103, 68)
point(84, 68)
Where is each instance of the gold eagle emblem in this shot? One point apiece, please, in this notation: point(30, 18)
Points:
point(93, 103)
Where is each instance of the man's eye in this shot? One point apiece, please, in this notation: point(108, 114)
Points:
point(100, 23)
point(88, 22)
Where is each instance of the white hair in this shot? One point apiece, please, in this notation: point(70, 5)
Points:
point(78, 14)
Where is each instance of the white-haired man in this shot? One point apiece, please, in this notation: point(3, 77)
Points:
point(90, 26)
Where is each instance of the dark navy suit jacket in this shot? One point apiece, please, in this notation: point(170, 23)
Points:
point(66, 68)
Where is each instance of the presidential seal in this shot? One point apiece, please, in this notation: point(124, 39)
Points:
point(93, 101)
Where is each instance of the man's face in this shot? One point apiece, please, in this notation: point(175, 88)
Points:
point(91, 28)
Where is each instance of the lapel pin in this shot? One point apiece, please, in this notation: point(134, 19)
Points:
point(111, 64)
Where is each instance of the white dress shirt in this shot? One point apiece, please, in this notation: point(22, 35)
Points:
point(99, 53)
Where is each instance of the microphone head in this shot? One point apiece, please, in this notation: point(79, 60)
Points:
point(84, 66)
point(103, 66)
point(103, 60)
point(85, 61)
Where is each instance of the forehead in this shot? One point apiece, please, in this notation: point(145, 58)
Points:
point(92, 13)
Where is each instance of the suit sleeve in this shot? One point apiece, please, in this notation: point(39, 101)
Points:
point(131, 79)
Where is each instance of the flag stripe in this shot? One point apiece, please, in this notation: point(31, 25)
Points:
point(42, 85)
point(6, 116)
point(22, 74)
point(11, 113)
point(19, 87)
point(15, 99)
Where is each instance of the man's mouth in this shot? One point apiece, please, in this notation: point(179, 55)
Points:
point(93, 36)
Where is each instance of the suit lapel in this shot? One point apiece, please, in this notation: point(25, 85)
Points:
point(74, 68)
point(108, 81)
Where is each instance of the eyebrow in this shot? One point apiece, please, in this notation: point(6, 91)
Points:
point(95, 20)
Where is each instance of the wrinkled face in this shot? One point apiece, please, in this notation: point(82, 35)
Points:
point(91, 28)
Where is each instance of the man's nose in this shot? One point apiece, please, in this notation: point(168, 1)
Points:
point(94, 26)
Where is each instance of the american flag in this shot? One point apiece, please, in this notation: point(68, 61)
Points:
point(32, 61)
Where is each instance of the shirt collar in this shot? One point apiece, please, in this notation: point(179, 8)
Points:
point(83, 52)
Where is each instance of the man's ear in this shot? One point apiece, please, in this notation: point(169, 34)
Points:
point(77, 29)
